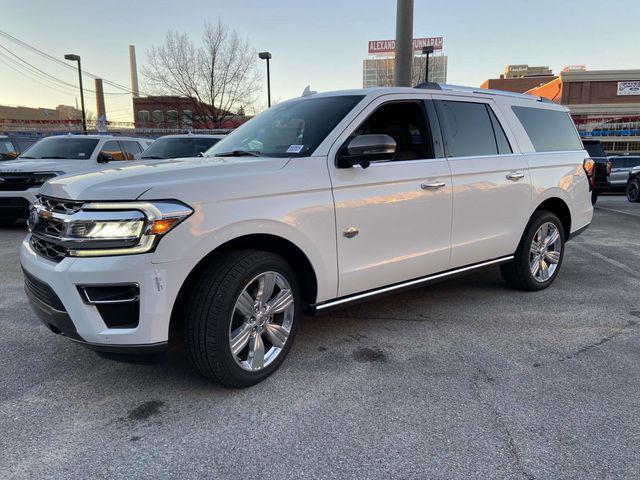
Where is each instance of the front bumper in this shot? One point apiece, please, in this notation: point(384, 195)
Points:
point(159, 286)
point(15, 205)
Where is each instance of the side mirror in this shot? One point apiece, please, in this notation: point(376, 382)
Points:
point(105, 157)
point(365, 148)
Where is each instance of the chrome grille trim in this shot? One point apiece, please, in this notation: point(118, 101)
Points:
point(68, 207)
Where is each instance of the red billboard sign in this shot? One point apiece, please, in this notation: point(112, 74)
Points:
point(389, 46)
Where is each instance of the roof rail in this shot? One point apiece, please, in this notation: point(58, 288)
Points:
point(429, 86)
point(487, 91)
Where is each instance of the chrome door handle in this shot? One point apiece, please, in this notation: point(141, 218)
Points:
point(515, 176)
point(432, 185)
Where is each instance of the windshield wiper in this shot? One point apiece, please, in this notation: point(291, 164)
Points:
point(239, 153)
point(51, 158)
point(153, 157)
point(22, 156)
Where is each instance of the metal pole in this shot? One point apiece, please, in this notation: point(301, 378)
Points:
point(426, 70)
point(404, 43)
point(84, 117)
point(268, 85)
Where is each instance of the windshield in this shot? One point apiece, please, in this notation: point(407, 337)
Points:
point(71, 148)
point(291, 129)
point(179, 147)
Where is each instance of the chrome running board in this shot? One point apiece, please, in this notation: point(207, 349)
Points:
point(409, 283)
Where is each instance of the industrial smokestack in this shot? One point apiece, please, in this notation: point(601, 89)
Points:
point(404, 43)
point(134, 71)
point(100, 108)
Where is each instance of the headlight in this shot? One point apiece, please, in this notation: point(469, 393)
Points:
point(108, 228)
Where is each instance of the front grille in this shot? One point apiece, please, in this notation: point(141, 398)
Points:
point(42, 292)
point(49, 250)
point(21, 181)
point(68, 207)
point(48, 232)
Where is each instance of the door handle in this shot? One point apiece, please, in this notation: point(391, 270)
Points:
point(432, 185)
point(515, 176)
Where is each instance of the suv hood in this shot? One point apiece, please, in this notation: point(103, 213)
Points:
point(53, 165)
point(130, 181)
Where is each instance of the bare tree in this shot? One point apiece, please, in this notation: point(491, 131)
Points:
point(220, 76)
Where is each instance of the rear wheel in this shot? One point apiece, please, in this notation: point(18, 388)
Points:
point(633, 190)
point(539, 255)
point(242, 316)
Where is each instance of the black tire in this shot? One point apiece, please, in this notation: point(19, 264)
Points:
point(633, 190)
point(209, 311)
point(594, 198)
point(517, 273)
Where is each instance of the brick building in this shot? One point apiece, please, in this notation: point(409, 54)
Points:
point(175, 112)
point(520, 78)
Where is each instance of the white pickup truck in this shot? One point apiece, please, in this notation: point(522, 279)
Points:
point(320, 201)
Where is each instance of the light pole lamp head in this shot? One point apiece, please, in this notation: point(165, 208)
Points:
point(72, 57)
point(264, 55)
point(427, 50)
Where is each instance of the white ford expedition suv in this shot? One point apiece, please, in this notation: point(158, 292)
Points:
point(21, 179)
point(319, 201)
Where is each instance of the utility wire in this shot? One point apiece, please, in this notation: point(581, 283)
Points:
point(60, 62)
point(44, 75)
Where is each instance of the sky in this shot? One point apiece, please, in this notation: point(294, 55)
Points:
point(320, 43)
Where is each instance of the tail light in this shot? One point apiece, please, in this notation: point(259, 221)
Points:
point(608, 168)
point(589, 166)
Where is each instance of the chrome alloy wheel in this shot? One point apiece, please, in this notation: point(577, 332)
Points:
point(261, 321)
point(545, 251)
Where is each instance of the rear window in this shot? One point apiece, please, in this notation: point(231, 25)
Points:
point(549, 130)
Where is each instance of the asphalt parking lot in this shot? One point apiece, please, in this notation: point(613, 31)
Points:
point(464, 379)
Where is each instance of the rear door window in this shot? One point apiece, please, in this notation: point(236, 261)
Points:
point(548, 130)
point(467, 129)
point(501, 139)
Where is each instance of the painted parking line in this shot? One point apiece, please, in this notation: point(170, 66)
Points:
point(637, 215)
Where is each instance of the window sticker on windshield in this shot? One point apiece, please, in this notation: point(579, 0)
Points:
point(81, 154)
point(295, 148)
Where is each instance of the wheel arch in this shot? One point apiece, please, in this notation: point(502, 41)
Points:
point(558, 207)
point(278, 245)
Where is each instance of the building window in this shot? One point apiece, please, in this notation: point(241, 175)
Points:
point(172, 118)
point(158, 118)
point(143, 118)
point(187, 118)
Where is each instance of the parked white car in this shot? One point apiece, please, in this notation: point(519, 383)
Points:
point(21, 179)
point(318, 202)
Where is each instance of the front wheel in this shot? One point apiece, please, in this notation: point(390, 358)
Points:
point(633, 190)
point(242, 316)
point(539, 255)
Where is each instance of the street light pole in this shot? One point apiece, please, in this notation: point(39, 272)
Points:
point(267, 56)
point(76, 58)
point(404, 43)
point(426, 51)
